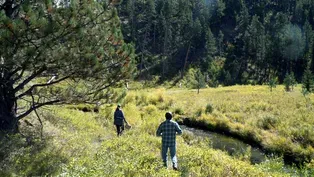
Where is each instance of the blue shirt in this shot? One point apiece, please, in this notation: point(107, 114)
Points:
point(168, 130)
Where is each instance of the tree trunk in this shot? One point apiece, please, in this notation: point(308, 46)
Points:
point(8, 119)
point(186, 59)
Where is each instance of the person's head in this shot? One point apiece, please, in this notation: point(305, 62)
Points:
point(168, 115)
point(118, 106)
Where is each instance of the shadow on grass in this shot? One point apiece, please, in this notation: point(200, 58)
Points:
point(29, 156)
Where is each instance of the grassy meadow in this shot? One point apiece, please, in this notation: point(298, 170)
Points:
point(77, 143)
point(277, 121)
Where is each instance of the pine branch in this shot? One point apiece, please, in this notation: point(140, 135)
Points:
point(36, 106)
point(29, 91)
point(30, 78)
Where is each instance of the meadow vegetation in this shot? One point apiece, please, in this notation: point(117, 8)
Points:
point(78, 143)
point(277, 121)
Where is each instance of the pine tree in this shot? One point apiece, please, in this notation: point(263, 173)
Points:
point(220, 42)
point(200, 79)
point(292, 44)
point(78, 46)
point(309, 40)
point(210, 50)
point(272, 83)
point(256, 48)
point(308, 80)
point(289, 82)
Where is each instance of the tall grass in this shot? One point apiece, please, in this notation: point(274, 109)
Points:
point(78, 143)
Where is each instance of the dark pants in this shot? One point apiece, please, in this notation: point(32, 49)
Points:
point(120, 129)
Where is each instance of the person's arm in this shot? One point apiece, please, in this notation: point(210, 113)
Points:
point(159, 130)
point(115, 115)
point(122, 115)
point(178, 129)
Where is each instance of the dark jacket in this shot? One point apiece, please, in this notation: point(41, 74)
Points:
point(118, 117)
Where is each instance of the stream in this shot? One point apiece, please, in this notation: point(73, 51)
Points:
point(236, 147)
point(231, 145)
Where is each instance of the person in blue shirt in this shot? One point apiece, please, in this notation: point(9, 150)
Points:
point(119, 120)
point(168, 131)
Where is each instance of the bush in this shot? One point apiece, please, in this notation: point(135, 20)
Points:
point(142, 99)
point(121, 96)
point(179, 111)
point(150, 109)
point(130, 98)
point(289, 82)
point(194, 79)
point(268, 122)
point(155, 99)
point(272, 83)
point(199, 112)
point(200, 80)
point(209, 108)
point(308, 81)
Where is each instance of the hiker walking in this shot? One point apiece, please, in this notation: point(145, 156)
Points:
point(119, 120)
point(168, 131)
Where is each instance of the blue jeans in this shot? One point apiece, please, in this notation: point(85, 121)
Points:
point(164, 152)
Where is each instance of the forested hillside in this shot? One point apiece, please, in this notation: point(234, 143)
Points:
point(88, 59)
point(230, 41)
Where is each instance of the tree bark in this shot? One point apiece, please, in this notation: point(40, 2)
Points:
point(8, 119)
point(186, 59)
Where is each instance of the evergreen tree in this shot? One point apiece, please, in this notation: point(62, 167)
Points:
point(292, 44)
point(272, 83)
point(239, 54)
point(220, 41)
point(309, 40)
point(308, 80)
point(210, 49)
point(256, 37)
point(256, 49)
point(289, 82)
point(200, 79)
point(78, 46)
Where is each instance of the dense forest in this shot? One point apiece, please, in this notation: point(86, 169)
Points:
point(65, 65)
point(229, 41)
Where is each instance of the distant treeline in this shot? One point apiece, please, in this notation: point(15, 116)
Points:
point(229, 41)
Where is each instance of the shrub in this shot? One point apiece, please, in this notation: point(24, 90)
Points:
point(268, 122)
point(289, 82)
point(308, 80)
point(272, 83)
point(209, 108)
point(129, 99)
point(142, 99)
point(304, 135)
point(150, 109)
point(188, 136)
point(178, 111)
point(121, 96)
point(155, 99)
point(199, 112)
point(200, 80)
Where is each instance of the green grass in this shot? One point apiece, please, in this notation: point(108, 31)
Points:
point(77, 143)
point(279, 121)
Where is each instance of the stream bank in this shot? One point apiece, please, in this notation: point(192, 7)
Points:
point(233, 146)
point(290, 158)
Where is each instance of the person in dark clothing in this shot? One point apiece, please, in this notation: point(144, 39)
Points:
point(119, 120)
point(168, 131)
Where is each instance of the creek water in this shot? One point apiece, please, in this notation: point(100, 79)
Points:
point(233, 146)
point(236, 147)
